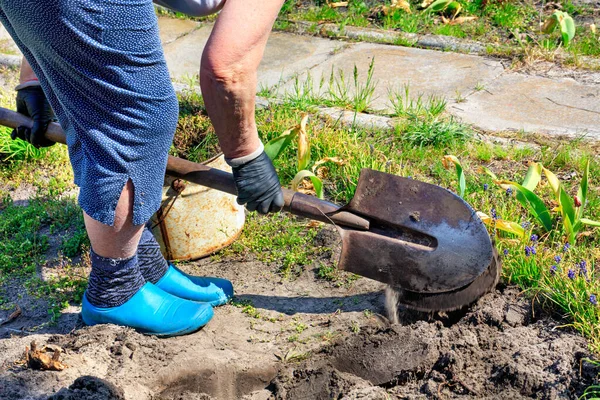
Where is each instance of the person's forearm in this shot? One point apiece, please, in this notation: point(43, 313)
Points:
point(27, 73)
point(228, 72)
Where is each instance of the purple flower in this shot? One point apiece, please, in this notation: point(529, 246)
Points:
point(485, 187)
point(505, 252)
point(534, 238)
point(529, 250)
point(566, 247)
point(583, 268)
point(553, 269)
point(494, 214)
point(557, 259)
point(593, 299)
point(525, 224)
point(509, 191)
point(571, 274)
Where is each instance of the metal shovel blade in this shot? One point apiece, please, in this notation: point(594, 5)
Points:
point(422, 238)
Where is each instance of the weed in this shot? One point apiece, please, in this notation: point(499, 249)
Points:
point(405, 105)
point(327, 272)
point(436, 132)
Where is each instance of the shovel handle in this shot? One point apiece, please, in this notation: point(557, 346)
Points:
point(295, 203)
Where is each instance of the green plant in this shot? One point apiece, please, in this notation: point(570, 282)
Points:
point(436, 132)
point(406, 106)
point(571, 208)
point(450, 8)
point(339, 89)
point(450, 160)
point(564, 22)
point(275, 147)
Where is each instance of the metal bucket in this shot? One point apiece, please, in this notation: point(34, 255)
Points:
point(195, 221)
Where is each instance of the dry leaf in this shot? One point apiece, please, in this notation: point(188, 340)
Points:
point(426, 3)
point(593, 28)
point(401, 5)
point(461, 20)
point(303, 145)
point(338, 4)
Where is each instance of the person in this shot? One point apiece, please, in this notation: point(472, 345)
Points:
point(100, 65)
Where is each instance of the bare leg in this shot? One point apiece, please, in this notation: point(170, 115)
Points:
point(121, 239)
point(228, 71)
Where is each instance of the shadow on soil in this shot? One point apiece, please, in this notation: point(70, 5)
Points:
point(313, 305)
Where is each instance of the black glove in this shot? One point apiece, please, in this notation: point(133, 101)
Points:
point(32, 102)
point(258, 185)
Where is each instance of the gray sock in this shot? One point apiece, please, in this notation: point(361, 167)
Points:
point(113, 281)
point(153, 265)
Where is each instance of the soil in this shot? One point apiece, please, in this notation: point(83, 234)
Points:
point(305, 339)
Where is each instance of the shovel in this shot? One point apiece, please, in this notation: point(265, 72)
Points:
point(421, 239)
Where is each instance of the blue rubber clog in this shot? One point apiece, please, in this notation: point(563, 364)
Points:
point(151, 311)
point(215, 291)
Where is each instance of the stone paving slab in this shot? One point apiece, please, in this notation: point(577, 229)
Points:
point(426, 72)
point(285, 56)
point(523, 102)
point(172, 29)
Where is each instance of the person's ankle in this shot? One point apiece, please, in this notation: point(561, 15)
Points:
point(152, 263)
point(113, 281)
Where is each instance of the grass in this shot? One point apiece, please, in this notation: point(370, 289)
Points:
point(337, 90)
point(498, 23)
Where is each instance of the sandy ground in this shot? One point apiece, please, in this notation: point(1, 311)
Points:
point(304, 339)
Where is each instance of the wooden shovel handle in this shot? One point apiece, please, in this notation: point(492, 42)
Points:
point(296, 203)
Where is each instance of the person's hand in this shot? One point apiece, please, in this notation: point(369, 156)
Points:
point(258, 185)
point(32, 102)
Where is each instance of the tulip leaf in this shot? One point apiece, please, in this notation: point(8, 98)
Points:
point(532, 202)
point(275, 147)
point(316, 182)
point(589, 222)
point(500, 224)
point(566, 206)
point(462, 184)
point(439, 5)
point(553, 181)
point(583, 189)
point(533, 177)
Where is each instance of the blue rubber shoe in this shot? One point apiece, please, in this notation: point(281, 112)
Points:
point(215, 291)
point(151, 311)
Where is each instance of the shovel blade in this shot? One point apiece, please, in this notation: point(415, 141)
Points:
point(422, 238)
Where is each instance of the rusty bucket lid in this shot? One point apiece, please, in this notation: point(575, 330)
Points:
point(195, 221)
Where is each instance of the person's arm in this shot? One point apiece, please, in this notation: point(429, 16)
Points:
point(31, 101)
point(228, 78)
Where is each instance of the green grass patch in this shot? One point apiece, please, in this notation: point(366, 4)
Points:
point(23, 247)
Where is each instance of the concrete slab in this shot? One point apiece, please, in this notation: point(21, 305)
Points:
point(285, 55)
point(171, 28)
point(425, 71)
point(523, 102)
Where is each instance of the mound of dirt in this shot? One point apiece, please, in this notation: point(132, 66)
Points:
point(496, 350)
